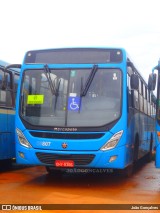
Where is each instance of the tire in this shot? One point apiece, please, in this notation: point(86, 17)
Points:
point(136, 148)
point(149, 155)
point(5, 164)
point(127, 172)
point(52, 171)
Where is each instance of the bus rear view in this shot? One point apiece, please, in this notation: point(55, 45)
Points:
point(72, 109)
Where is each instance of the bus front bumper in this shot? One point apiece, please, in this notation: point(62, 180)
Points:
point(114, 158)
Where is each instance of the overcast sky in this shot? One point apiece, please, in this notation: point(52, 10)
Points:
point(38, 24)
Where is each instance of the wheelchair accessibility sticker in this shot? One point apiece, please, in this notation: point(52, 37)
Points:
point(73, 103)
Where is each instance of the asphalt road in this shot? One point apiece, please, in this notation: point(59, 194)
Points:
point(22, 185)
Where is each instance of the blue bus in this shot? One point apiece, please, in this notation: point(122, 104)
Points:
point(152, 85)
point(82, 108)
point(8, 88)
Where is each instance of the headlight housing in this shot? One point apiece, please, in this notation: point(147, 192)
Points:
point(113, 141)
point(22, 140)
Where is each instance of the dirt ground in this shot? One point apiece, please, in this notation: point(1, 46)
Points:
point(22, 186)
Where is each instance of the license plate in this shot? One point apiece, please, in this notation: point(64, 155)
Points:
point(64, 163)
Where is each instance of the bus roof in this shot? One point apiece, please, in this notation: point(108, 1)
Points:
point(74, 55)
point(79, 55)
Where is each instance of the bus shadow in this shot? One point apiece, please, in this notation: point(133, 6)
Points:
point(140, 164)
point(78, 179)
point(10, 165)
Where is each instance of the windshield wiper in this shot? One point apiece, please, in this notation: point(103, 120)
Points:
point(84, 90)
point(53, 87)
point(48, 75)
point(89, 80)
point(81, 94)
point(56, 94)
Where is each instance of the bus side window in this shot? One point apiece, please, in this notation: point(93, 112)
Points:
point(16, 78)
point(8, 92)
point(135, 91)
point(5, 94)
point(145, 100)
point(135, 99)
point(129, 91)
point(141, 92)
point(5, 90)
point(2, 93)
point(1, 76)
point(149, 103)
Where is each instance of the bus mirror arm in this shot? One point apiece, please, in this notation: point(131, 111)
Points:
point(6, 70)
point(156, 67)
point(12, 66)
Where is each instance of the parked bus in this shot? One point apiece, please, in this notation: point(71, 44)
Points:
point(8, 88)
point(152, 85)
point(82, 108)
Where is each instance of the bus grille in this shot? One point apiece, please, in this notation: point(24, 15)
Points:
point(66, 135)
point(78, 159)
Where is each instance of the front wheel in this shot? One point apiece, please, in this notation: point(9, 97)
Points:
point(149, 155)
point(5, 164)
point(127, 172)
point(52, 171)
point(136, 150)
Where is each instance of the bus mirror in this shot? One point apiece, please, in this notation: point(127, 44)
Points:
point(134, 81)
point(152, 81)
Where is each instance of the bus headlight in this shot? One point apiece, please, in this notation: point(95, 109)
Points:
point(23, 141)
point(112, 142)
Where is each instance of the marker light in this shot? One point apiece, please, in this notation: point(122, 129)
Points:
point(21, 154)
point(158, 135)
point(22, 140)
point(113, 158)
point(112, 142)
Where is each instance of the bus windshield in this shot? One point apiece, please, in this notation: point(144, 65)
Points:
point(53, 97)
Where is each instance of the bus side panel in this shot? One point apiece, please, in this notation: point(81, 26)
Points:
point(140, 132)
point(157, 160)
point(7, 145)
point(3, 135)
point(157, 157)
point(11, 130)
point(133, 127)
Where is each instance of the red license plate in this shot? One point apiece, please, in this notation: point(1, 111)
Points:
point(64, 163)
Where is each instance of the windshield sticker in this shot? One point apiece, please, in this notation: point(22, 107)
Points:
point(114, 76)
point(72, 94)
point(35, 99)
point(73, 103)
point(73, 73)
